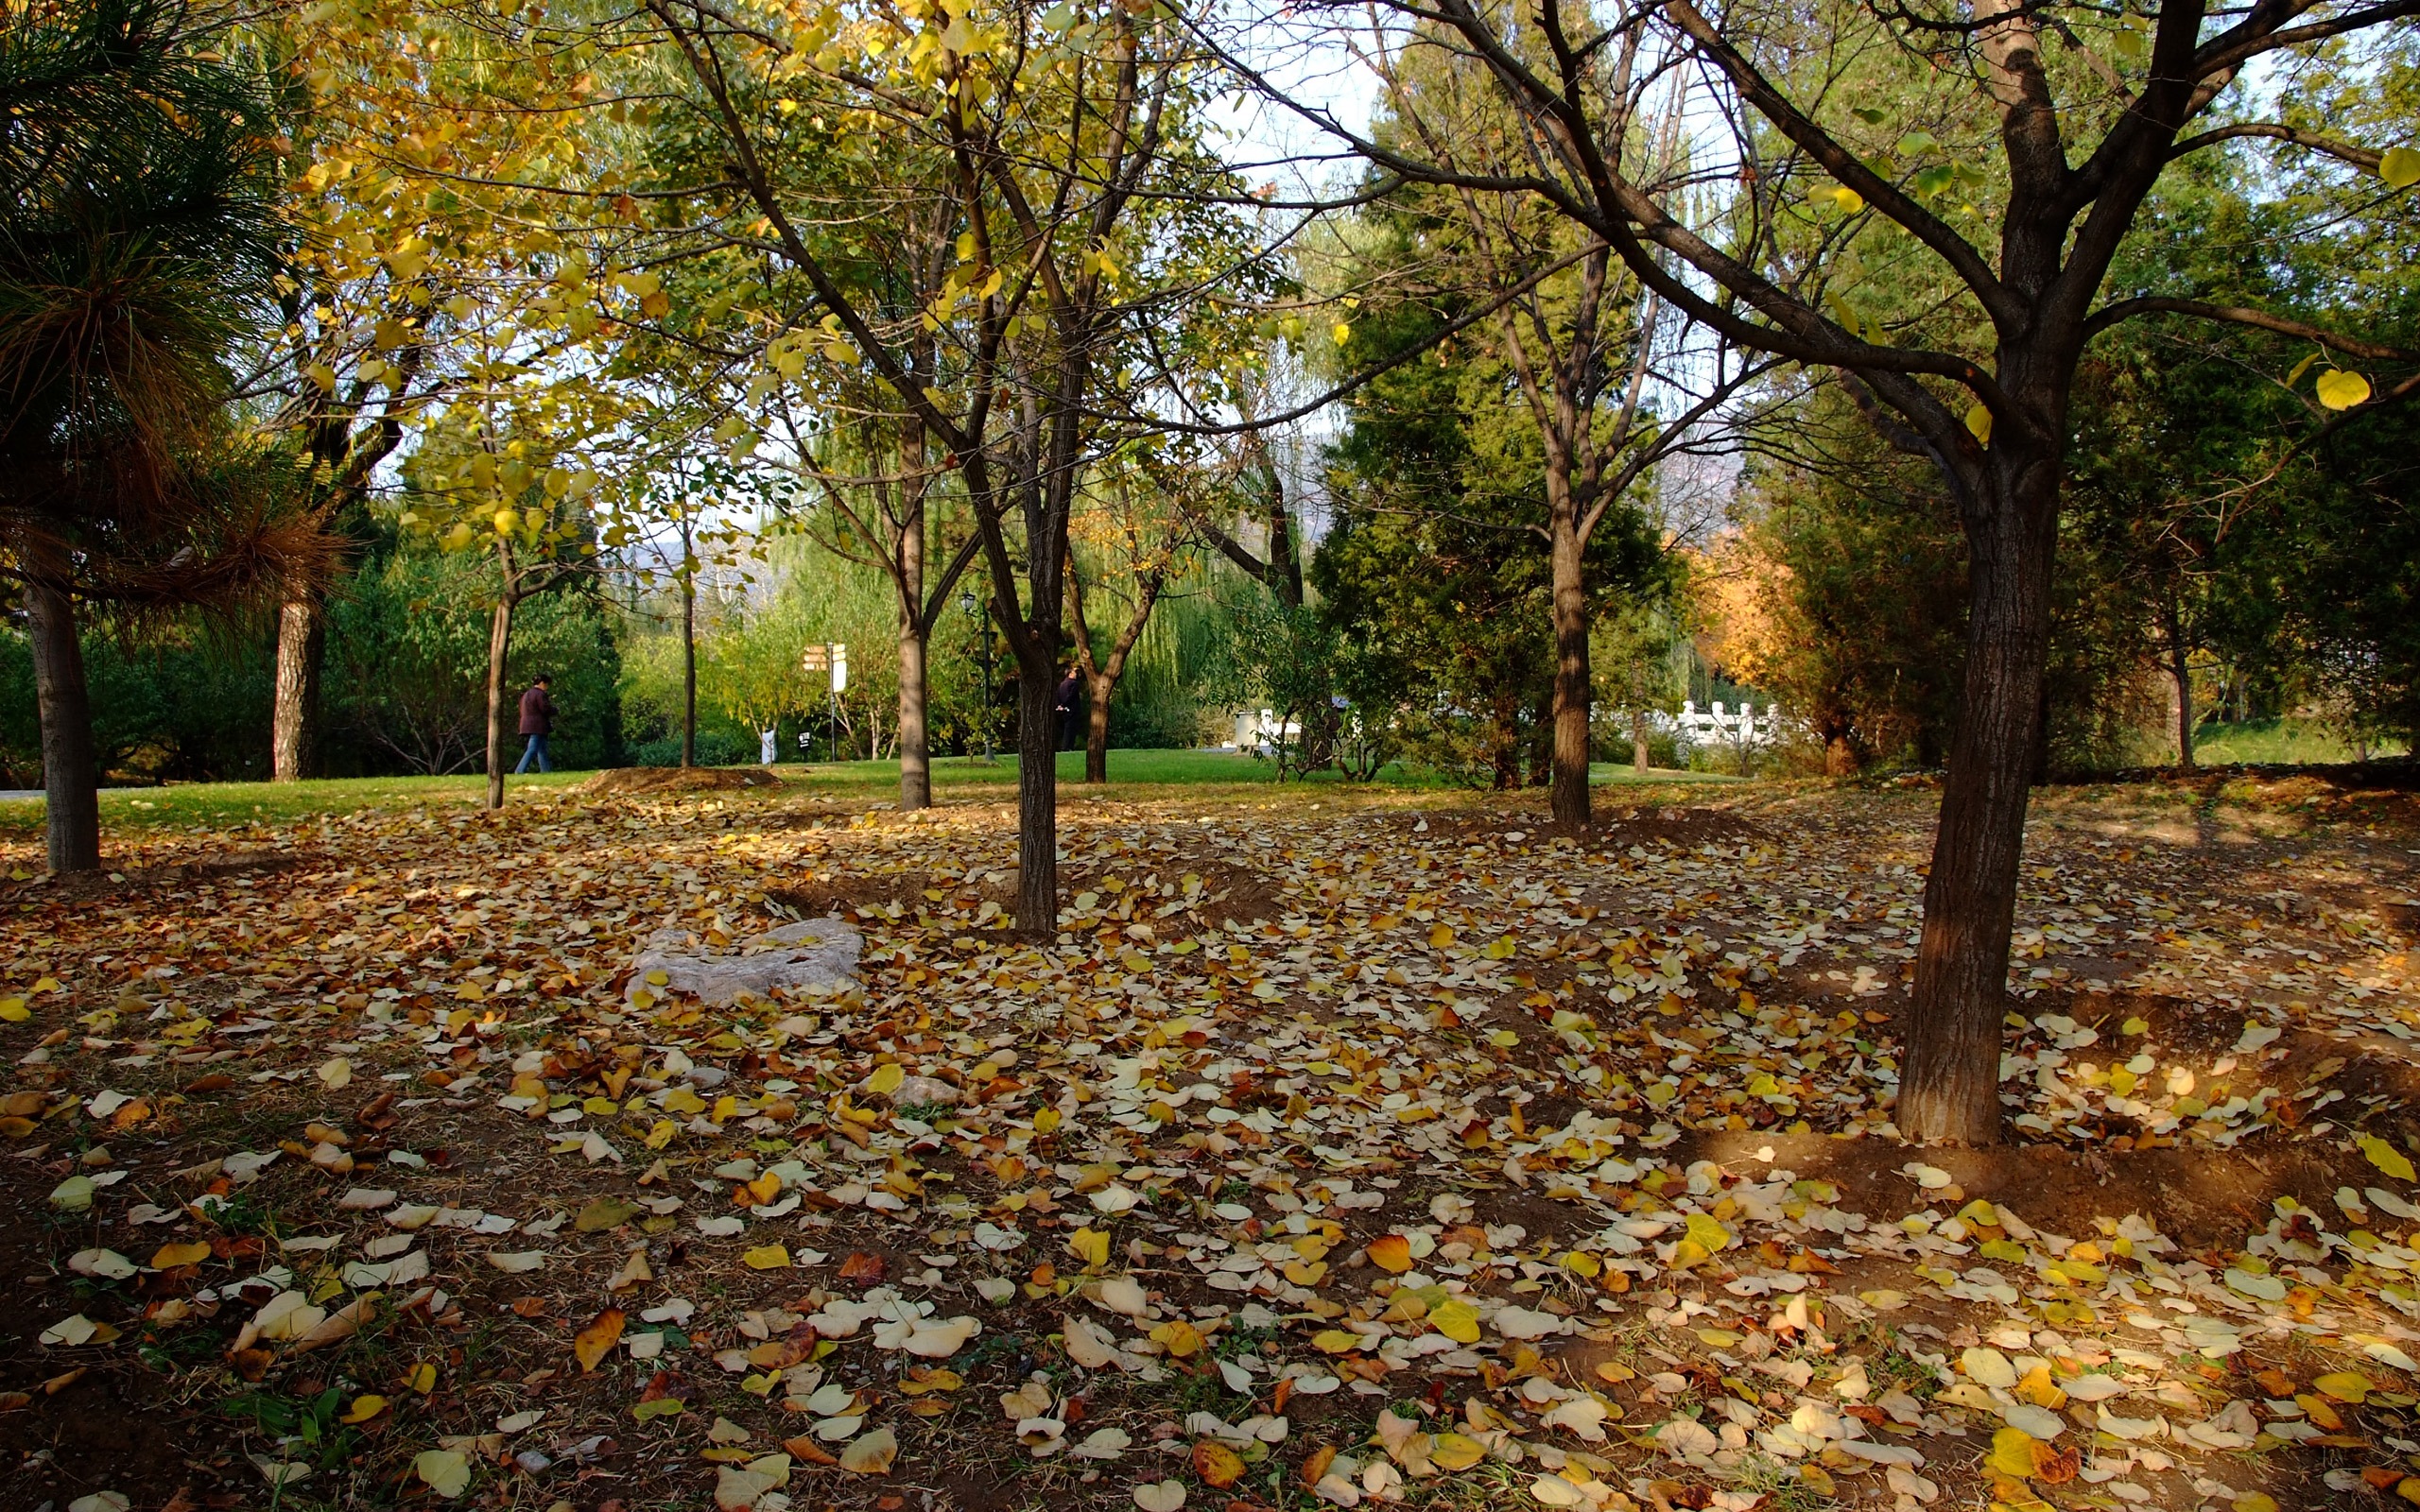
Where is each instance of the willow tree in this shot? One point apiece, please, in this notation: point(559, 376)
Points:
point(2005, 148)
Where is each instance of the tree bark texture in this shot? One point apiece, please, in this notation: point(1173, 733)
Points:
point(1569, 793)
point(499, 641)
point(688, 657)
point(1096, 727)
point(1638, 741)
point(294, 719)
point(2179, 673)
point(915, 743)
point(1950, 1069)
point(70, 768)
point(1037, 908)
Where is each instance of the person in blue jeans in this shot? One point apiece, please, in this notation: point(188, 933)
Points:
point(537, 719)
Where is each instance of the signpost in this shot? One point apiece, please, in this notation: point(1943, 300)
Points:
point(833, 661)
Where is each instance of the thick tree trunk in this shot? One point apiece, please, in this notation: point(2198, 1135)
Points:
point(499, 641)
point(1949, 1069)
point(1037, 798)
point(294, 719)
point(71, 771)
point(1569, 798)
point(1638, 741)
point(1096, 728)
point(915, 743)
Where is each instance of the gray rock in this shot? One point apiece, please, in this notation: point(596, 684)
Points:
point(817, 953)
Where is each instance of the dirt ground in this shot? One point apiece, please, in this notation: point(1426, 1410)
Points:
point(1341, 1148)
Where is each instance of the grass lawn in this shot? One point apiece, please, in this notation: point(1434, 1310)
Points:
point(2287, 741)
point(225, 805)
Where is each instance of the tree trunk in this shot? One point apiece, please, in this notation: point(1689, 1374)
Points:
point(499, 641)
point(915, 625)
point(1037, 798)
point(2180, 672)
point(1096, 727)
point(915, 743)
point(1949, 1067)
point(71, 771)
point(1569, 798)
point(1638, 741)
point(294, 723)
point(688, 657)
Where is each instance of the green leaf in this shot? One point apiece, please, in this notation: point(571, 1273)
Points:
point(2400, 168)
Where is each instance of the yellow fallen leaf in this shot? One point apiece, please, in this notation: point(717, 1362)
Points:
point(1391, 1253)
point(1707, 1233)
point(421, 1378)
point(168, 1257)
point(1091, 1245)
point(767, 1257)
point(2349, 1386)
point(444, 1472)
point(335, 1074)
point(589, 1346)
point(885, 1079)
point(1335, 1341)
point(2387, 1158)
point(1180, 1338)
point(1454, 1452)
point(2038, 1388)
point(365, 1407)
point(1441, 936)
point(1216, 1464)
point(1456, 1320)
point(2013, 1453)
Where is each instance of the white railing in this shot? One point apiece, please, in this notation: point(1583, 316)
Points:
point(1741, 729)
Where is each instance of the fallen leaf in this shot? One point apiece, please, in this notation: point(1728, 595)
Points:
point(596, 1341)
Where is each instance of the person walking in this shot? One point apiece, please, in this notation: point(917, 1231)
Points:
point(537, 721)
point(1063, 701)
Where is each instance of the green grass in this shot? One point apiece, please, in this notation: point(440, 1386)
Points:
point(2287, 741)
point(1211, 775)
point(227, 805)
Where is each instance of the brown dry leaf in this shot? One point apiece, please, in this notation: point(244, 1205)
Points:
point(1315, 1464)
point(597, 1340)
point(870, 1454)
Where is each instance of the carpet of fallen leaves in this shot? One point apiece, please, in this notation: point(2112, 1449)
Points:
point(1341, 1150)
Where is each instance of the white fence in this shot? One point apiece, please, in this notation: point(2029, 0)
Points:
point(1739, 730)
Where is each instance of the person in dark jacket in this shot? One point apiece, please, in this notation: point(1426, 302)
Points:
point(537, 720)
point(1064, 704)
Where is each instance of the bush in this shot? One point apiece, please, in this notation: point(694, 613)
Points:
point(714, 748)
